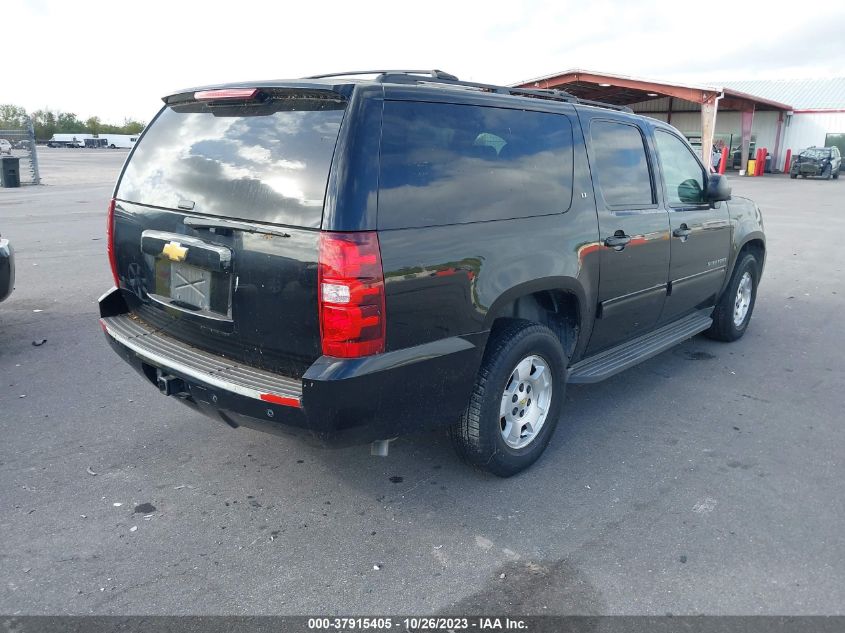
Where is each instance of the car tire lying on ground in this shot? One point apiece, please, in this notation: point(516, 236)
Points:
point(516, 400)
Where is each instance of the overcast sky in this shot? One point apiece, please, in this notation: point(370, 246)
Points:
point(116, 58)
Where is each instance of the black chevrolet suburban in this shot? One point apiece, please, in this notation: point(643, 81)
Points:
point(359, 256)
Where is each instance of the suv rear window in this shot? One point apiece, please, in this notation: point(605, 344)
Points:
point(620, 165)
point(449, 164)
point(267, 162)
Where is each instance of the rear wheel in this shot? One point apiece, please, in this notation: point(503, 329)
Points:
point(516, 401)
point(733, 312)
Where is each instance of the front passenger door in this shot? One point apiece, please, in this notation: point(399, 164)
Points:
point(700, 232)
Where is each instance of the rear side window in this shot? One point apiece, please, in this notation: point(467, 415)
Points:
point(268, 162)
point(450, 164)
point(620, 165)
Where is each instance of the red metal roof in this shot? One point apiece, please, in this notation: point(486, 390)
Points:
point(625, 90)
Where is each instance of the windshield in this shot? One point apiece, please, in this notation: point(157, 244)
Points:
point(815, 154)
point(267, 162)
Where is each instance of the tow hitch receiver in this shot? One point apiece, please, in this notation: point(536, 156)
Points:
point(170, 385)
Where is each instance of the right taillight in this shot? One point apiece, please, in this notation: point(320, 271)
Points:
point(110, 243)
point(351, 294)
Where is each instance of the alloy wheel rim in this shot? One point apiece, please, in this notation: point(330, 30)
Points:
point(525, 401)
point(743, 299)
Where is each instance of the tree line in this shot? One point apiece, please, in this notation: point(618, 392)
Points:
point(49, 122)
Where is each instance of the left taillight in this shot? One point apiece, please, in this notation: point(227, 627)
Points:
point(351, 295)
point(110, 243)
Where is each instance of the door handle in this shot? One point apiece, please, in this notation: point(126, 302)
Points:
point(617, 241)
point(682, 231)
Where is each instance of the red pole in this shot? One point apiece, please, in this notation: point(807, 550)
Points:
point(788, 160)
point(723, 162)
point(759, 162)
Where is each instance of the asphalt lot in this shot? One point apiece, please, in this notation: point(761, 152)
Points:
point(706, 480)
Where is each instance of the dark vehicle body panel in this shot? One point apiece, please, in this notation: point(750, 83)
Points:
point(344, 401)
point(698, 266)
point(633, 283)
point(445, 285)
point(275, 276)
point(7, 269)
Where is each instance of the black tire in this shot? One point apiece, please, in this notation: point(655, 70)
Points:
point(827, 173)
point(836, 175)
point(793, 176)
point(724, 328)
point(477, 436)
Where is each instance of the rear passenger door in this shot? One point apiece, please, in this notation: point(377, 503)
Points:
point(633, 231)
point(701, 235)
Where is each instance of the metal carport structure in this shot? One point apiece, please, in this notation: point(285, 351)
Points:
point(671, 98)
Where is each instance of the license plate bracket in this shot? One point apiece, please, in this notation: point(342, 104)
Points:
point(191, 286)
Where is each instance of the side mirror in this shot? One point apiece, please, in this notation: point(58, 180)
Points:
point(718, 188)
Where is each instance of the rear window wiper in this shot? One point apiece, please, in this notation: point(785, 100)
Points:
point(232, 225)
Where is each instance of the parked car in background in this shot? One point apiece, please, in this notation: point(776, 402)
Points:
point(824, 162)
point(736, 155)
point(5, 147)
point(357, 259)
point(21, 144)
point(7, 268)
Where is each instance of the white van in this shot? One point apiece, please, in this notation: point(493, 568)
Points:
point(125, 141)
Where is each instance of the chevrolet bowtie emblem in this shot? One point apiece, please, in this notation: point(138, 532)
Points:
point(174, 251)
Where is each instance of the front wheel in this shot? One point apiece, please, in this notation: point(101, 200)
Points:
point(515, 402)
point(827, 172)
point(733, 312)
point(793, 176)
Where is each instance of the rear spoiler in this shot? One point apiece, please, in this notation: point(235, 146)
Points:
point(256, 93)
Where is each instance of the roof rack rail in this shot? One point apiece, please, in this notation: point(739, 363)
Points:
point(434, 74)
point(441, 77)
